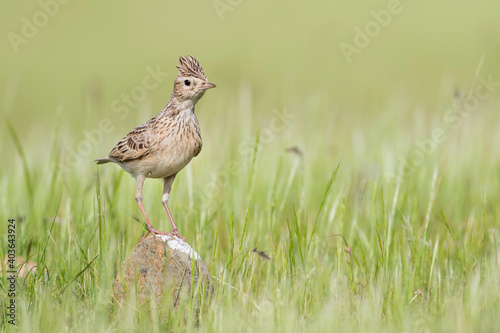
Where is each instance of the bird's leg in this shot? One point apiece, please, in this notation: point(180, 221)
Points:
point(138, 198)
point(167, 186)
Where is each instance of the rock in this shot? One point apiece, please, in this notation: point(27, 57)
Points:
point(163, 269)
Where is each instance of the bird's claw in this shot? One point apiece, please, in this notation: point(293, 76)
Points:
point(155, 232)
point(176, 233)
point(145, 236)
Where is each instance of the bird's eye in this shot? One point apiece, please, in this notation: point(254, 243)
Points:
point(187, 82)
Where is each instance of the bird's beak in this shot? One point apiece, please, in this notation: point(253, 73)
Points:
point(207, 85)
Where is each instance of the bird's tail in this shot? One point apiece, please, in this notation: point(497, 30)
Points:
point(103, 160)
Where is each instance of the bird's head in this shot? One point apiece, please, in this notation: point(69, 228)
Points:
point(191, 82)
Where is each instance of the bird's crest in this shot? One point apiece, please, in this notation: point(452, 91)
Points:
point(189, 66)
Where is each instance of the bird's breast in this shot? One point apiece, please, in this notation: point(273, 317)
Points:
point(180, 142)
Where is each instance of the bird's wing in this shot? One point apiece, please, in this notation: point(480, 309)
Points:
point(135, 145)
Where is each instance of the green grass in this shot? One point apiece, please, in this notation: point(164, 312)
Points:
point(352, 247)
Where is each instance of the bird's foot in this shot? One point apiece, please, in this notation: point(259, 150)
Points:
point(144, 237)
point(155, 232)
point(176, 233)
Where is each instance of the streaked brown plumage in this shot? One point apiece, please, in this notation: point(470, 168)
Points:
point(165, 144)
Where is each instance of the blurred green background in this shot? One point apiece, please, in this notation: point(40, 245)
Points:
point(283, 49)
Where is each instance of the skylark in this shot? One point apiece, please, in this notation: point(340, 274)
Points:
point(162, 146)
